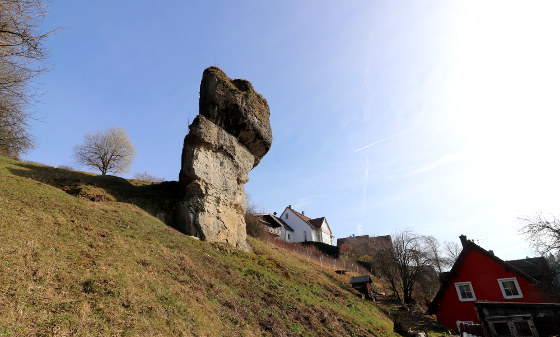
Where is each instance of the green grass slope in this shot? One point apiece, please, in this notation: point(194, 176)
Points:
point(70, 266)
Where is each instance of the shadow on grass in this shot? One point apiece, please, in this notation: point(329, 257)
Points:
point(158, 199)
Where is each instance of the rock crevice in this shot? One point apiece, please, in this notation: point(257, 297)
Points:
point(226, 140)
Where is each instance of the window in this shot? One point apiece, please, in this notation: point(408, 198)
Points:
point(305, 235)
point(510, 287)
point(465, 291)
point(286, 215)
point(289, 237)
point(516, 327)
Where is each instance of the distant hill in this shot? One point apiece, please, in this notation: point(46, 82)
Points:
point(86, 255)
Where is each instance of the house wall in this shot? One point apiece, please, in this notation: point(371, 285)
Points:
point(324, 234)
point(299, 226)
point(327, 234)
point(483, 273)
point(284, 235)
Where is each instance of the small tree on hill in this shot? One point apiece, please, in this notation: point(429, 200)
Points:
point(108, 151)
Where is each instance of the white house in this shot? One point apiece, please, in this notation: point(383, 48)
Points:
point(305, 228)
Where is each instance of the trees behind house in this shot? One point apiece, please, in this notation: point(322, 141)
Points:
point(406, 263)
point(543, 233)
point(22, 57)
point(411, 259)
point(107, 151)
point(451, 251)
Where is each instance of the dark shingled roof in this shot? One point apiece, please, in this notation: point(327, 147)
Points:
point(315, 223)
point(274, 221)
point(536, 267)
point(360, 279)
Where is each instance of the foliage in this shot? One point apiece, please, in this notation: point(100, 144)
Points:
point(254, 226)
point(66, 167)
point(148, 177)
point(108, 151)
point(22, 58)
point(253, 222)
point(345, 249)
point(330, 250)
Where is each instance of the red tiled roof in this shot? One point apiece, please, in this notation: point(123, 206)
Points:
point(315, 223)
point(303, 217)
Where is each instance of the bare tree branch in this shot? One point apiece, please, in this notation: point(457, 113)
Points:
point(543, 232)
point(22, 58)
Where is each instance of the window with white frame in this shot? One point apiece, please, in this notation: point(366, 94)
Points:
point(465, 291)
point(510, 287)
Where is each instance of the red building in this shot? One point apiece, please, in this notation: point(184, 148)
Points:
point(479, 276)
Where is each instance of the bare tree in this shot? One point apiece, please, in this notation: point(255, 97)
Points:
point(22, 57)
point(409, 259)
point(108, 151)
point(543, 232)
point(433, 248)
point(451, 250)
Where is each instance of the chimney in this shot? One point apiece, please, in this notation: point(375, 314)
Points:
point(274, 213)
point(491, 252)
point(302, 212)
point(463, 239)
point(290, 206)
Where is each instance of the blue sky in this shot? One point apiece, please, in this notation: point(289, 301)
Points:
point(437, 116)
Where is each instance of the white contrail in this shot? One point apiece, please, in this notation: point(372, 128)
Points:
point(397, 134)
point(379, 141)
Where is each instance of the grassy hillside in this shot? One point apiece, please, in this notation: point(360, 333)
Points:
point(72, 266)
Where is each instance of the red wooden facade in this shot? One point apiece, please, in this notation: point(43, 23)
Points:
point(478, 275)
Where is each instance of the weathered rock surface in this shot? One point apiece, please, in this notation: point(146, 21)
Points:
point(225, 141)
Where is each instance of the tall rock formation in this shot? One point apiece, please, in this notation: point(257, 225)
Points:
point(226, 140)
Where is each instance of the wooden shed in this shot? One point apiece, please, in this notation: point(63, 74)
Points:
point(363, 285)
